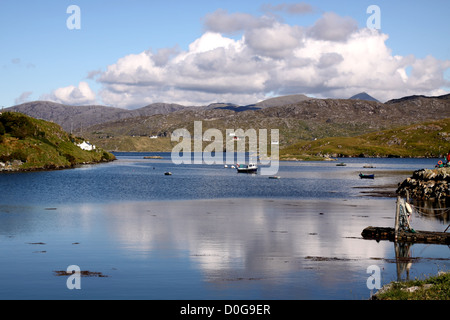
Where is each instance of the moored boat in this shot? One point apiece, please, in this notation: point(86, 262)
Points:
point(247, 168)
point(366, 176)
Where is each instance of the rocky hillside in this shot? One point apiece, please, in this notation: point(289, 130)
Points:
point(427, 139)
point(303, 121)
point(31, 144)
point(76, 118)
point(298, 118)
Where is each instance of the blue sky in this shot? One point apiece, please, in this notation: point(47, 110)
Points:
point(40, 58)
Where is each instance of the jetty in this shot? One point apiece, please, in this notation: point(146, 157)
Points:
point(383, 233)
point(403, 232)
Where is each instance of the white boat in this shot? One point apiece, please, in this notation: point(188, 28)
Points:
point(247, 168)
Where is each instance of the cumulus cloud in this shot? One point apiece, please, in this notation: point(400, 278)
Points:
point(278, 41)
point(332, 27)
point(331, 58)
point(72, 95)
point(221, 21)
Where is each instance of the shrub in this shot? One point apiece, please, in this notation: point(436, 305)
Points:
point(17, 125)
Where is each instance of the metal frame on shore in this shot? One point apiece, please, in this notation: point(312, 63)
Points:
point(403, 232)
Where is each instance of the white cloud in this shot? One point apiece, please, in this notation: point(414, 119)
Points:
point(332, 58)
point(278, 41)
point(72, 95)
point(332, 27)
point(221, 21)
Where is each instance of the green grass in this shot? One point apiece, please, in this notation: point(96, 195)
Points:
point(439, 289)
point(40, 144)
point(431, 139)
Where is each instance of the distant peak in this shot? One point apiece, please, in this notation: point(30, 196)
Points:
point(363, 96)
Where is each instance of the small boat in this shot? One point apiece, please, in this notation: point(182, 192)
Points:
point(247, 168)
point(366, 176)
point(168, 173)
point(341, 164)
point(274, 177)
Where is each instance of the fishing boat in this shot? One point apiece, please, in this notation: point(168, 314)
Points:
point(366, 176)
point(247, 168)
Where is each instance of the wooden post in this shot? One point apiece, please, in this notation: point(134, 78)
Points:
point(397, 218)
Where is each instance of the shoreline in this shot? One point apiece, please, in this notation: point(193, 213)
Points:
point(15, 169)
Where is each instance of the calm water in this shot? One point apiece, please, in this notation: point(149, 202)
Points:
point(205, 232)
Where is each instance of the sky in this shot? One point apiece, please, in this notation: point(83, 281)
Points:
point(129, 54)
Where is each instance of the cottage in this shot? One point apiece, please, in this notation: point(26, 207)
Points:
point(85, 145)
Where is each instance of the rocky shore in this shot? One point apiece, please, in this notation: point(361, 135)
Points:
point(427, 184)
point(17, 166)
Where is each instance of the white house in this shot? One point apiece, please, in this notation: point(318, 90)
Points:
point(85, 145)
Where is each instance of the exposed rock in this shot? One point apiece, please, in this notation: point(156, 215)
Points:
point(427, 184)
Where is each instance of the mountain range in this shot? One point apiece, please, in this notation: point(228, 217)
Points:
point(298, 117)
point(72, 118)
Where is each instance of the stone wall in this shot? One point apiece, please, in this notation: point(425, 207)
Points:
point(427, 184)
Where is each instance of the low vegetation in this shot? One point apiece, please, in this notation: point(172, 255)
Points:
point(429, 139)
point(432, 288)
point(31, 144)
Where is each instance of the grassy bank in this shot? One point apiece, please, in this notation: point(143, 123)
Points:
point(32, 144)
point(431, 139)
point(432, 288)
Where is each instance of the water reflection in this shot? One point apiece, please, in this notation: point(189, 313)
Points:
point(403, 260)
point(426, 214)
point(433, 210)
point(293, 238)
point(246, 238)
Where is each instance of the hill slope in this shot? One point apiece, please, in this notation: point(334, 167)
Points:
point(429, 139)
point(78, 117)
point(298, 118)
point(30, 144)
point(306, 120)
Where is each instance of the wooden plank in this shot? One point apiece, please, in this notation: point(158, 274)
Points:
point(383, 233)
